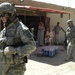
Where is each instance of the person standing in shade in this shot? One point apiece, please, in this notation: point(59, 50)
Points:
point(56, 30)
point(47, 37)
point(70, 35)
point(40, 35)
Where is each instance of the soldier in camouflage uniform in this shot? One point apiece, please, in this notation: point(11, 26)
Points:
point(70, 34)
point(16, 42)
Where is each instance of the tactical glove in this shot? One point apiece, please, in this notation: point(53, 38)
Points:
point(8, 51)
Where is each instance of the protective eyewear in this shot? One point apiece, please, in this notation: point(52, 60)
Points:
point(2, 15)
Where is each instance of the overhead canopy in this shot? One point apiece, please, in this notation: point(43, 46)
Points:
point(50, 10)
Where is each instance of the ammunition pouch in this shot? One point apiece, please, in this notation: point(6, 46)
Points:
point(25, 59)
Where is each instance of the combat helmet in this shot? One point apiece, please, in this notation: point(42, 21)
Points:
point(7, 7)
point(70, 20)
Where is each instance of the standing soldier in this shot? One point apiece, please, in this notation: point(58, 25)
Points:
point(16, 42)
point(70, 34)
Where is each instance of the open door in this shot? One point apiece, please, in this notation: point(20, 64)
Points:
point(46, 21)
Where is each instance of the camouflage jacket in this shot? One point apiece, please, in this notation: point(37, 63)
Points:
point(18, 36)
point(70, 33)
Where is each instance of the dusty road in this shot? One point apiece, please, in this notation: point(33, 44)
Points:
point(50, 66)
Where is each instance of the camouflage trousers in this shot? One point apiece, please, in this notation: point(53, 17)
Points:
point(15, 70)
point(70, 49)
point(11, 65)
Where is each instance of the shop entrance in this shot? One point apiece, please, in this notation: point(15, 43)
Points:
point(32, 23)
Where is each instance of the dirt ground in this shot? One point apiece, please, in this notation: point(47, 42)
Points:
point(50, 65)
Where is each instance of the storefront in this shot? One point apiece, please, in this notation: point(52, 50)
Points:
point(31, 19)
point(31, 16)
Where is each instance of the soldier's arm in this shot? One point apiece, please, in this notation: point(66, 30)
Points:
point(70, 33)
point(29, 43)
point(2, 37)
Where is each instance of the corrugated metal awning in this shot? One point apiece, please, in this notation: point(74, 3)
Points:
point(50, 10)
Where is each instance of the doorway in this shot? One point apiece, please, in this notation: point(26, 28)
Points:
point(32, 23)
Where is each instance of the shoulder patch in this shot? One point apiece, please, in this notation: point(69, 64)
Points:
point(24, 26)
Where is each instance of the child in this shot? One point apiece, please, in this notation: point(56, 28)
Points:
point(48, 37)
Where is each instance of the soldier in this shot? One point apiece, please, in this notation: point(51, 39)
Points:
point(16, 42)
point(70, 34)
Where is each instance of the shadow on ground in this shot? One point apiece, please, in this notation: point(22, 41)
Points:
point(57, 60)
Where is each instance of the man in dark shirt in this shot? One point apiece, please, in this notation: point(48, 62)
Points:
point(56, 30)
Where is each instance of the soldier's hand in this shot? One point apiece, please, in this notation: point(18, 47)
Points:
point(9, 51)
